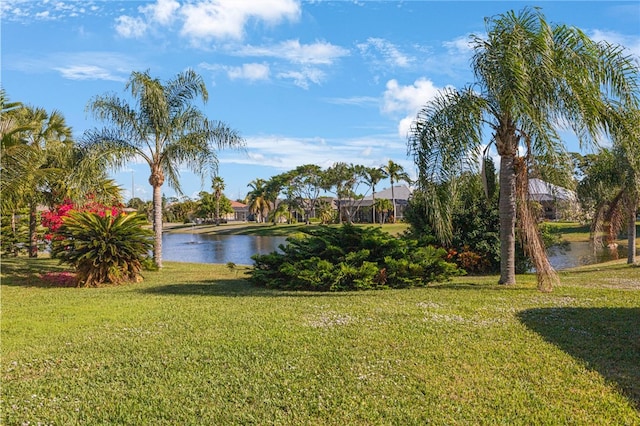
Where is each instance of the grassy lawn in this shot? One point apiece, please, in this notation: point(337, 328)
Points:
point(252, 228)
point(576, 232)
point(196, 344)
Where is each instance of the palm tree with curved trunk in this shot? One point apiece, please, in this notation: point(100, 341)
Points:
point(396, 173)
point(164, 128)
point(532, 79)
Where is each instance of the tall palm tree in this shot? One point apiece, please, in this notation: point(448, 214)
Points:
point(218, 186)
point(373, 175)
point(163, 127)
point(396, 173)
point(532, 78)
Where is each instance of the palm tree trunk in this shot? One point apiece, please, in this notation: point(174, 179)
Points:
point(393, 200)
point(631, 237)
point(33, 225)
point(507, 208)
point(157, 225)
point(373, 206)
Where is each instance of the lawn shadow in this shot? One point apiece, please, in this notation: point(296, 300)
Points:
point(606, 339)
point(231, 288)
point(18, 273)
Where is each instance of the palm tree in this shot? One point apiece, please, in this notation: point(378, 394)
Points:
point(373, 175)
point(531, 79)
point(384, 206)
point(45, 141)
point(163, 127)
point(218, 186)
point(395, 172)
point(257, 198)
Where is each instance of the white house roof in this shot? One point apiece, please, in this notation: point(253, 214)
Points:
point(540, 190)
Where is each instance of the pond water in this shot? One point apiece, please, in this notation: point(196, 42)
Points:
point(200, 248)
point(583, 253)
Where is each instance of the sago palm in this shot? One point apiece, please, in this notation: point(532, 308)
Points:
point(164, 128)
point(104, 249)
point(532, 80)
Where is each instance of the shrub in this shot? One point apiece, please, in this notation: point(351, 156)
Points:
point(103, 248)
point(350, 258)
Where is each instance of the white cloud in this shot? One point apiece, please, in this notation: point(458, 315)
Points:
point(407, 100)
point(391, 54)
point(221, 19)
point(459, 46)
point(129, 27)
point(631, 43)
point(303, 77)
point(163, 11)
point(355, 100)
point(318, 53)
point(286, 153)
point(87, 72)
point(251, 72)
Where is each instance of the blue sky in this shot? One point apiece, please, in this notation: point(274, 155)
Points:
point(302, 81)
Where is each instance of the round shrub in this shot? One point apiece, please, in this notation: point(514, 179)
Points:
point(350, 258)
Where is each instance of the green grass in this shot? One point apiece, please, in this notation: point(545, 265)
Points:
point(196, 344)
point(577, 232)
point(282, 229)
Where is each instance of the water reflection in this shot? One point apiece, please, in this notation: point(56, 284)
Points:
point(201, 248)
point(584, 253)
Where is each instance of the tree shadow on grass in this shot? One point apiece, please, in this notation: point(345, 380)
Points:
point(231, 288)
point(18, 271)
point(606, 339)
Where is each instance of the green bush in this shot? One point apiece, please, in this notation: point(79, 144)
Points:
point(103, 248)
point(350, 258)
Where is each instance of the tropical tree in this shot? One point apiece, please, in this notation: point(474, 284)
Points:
point(218, 186)
point(532, 80)
point(305, 184)
point(257, 199)
point(45, 141)
point(609, 191)
point(384, 207)
point(164, 128)
point(396, 173)
point(372, 176)
point(343, 180)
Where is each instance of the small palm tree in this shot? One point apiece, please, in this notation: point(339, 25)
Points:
point(373, 175)
point(257, 199)
point(103, 248)
point(384, 207)
point(162, 127)
point(396, 173)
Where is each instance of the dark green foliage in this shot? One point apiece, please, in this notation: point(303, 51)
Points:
point(475, 243)
point(103, 248)
point(350, 258)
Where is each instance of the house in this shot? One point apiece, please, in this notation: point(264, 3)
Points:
point(363, 206)
point(557, 202)
point(240, 211)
